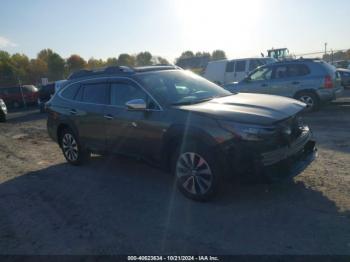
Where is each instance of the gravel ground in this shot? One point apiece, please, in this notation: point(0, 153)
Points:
point(116, 205)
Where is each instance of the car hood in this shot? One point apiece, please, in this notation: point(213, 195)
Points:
point(256, 109)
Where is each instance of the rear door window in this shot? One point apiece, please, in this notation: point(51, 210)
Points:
point(280, 72)
point(96, 93)
point(297, 70)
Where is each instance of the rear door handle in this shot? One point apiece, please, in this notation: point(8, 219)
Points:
point(264, 85)
point(109, 117)
point(295, 83)
point(73, 111)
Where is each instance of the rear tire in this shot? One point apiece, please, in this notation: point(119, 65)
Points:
point(196, 172)
point(74, 153)
point(310, 99)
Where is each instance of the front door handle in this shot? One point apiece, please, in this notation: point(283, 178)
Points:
point(73, 111)
point(109, 117)
point(264, 85)
point(295, 83)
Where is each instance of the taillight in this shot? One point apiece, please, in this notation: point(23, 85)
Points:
point(328, 83)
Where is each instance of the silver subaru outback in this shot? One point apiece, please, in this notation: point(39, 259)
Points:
point(311, 81)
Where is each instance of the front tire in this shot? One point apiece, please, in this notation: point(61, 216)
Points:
point(196, 172)
point(72, 150)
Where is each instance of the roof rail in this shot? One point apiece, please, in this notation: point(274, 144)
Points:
point(100, 70)
point(156, 68)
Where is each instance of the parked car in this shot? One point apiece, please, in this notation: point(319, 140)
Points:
point(345, 77)
point(223, 72)
point(12, 96)
point(45, 94)
point(3, 111)
point(198, 130)
point(311, 81)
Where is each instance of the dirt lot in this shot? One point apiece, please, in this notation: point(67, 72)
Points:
point(120, 206)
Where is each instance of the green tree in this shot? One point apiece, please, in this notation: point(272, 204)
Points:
point(144, 59)
point(7, 70)
point(21, 66)
point(126, 60)
point(55, 65)
point(158, 60)
point(218, 55)
point(95, 63)
point(44, 55)
point(75, 63)
point(202, 54)
point(187, 54)
point(112, 61)
point(38, 69)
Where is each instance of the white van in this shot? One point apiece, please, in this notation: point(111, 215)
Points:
point(226, 71)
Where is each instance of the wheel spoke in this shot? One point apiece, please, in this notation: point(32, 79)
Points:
point(70, 147)
point(194, 173)
point(201, 185)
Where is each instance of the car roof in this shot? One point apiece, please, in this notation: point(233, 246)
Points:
point(119, 71)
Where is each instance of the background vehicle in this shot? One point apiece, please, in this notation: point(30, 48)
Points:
point(3, 111)
point(195, 128)
point(45, 94)
point(47, 91)
point(226, 71)
point(345, 77)
point(278, 53)
point(12, 96)
point(308, 80)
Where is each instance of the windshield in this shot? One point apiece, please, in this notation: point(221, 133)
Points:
point(181, 87)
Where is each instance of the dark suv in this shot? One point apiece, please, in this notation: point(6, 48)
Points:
point(196, 129)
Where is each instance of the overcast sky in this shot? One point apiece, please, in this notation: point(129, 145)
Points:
point(106, 28)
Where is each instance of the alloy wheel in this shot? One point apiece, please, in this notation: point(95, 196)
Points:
point(70, 147)
point(307, 100)
point(194, 173)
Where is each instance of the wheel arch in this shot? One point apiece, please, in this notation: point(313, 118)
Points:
point(313, 91)
point(180, 134)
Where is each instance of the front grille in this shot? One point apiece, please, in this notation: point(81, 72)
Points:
point(272, 157)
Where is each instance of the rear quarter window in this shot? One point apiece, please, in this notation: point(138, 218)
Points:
point(297, 70)
point(70, 91)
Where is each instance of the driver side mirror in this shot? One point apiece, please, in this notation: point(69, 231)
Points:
point(136, 104)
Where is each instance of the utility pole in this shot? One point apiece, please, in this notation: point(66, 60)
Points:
point(332, 57)
point(325, 48)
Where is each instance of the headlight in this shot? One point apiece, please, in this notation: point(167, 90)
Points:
point(248, 132)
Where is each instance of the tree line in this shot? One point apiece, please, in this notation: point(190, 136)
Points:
point(19, 68)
